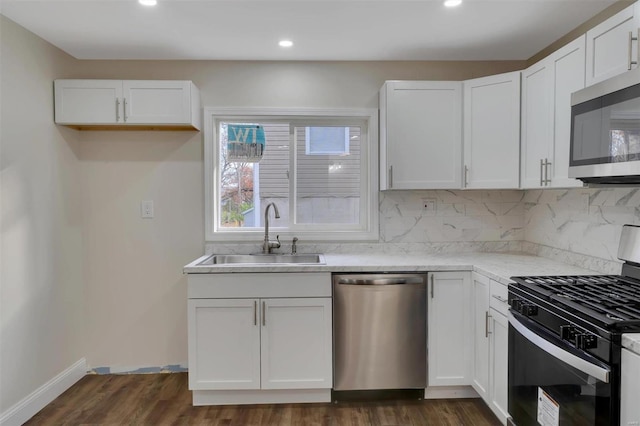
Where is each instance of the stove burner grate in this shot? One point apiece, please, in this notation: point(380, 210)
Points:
point(612, 300)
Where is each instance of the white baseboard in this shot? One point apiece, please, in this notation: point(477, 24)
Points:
point(38, 399)
point(240, 397)
point(450, 392)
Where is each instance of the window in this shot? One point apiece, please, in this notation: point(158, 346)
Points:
point(319, 168)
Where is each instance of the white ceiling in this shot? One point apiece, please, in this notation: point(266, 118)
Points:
point(320, 29)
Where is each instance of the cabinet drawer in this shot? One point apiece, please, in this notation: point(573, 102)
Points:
point(498, 299)
point(256, 285)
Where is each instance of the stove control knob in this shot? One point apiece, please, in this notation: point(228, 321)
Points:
point(528, 310)
point(568, 332)
point(586, 341)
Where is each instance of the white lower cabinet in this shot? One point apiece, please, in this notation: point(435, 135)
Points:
point(296, 346)
point(248, 350)
point(498, 354)
point(630, 389)
point(481, 335)
point(224, 344)
point(449, 342)
point(490, 343)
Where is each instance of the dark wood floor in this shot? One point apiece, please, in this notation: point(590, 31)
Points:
point(164, 399)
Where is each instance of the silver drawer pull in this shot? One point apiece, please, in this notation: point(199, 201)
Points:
point(500, 299)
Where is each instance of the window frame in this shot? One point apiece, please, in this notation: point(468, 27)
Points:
point(368, 229)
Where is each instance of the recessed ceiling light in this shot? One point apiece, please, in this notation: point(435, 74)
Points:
point(148, 2)
point(452, 3)
point(285, 43)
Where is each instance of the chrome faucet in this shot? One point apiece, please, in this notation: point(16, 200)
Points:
point(268, 245)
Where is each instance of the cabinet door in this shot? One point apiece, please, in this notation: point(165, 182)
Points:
point(88, 101)
point(492, 132)
point(224, 344)
point(296, 343)
point(449, 329)
point(608, 46)
point(498, 368)
point(480, 298)
point(630, 388)
point(567, 65)
point(537, 116)
point(162, 101)
point(421, 135)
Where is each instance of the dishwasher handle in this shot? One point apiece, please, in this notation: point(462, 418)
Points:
point(380, 280)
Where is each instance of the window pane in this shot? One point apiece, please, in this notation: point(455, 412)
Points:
point(328, 185)
point(327, 140)
point(247, 188)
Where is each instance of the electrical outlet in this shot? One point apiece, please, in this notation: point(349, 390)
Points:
point(146, 209)
point(429, 204)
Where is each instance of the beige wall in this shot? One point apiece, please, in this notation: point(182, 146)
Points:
point(41, 285)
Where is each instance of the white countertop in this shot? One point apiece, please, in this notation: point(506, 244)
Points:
point(631, 341)
point(498, 266)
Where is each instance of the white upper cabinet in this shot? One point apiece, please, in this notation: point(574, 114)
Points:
point(104, 104)
point(610, 48)
point(492, 132)
point(421, 135)
point(536, 124)
point(546, 116)
point(88, 101)
point(568, 76)
point(157, 101)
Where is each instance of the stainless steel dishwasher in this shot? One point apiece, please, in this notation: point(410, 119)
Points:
point(380, 331)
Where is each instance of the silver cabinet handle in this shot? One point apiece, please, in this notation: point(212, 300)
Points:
point(124, 109)
point(432, 286)
point(264, 313)
point(500, 299)
point(255, 312)
point(486, 324)
point(630, 53)
point(547, 179)
point(541, 171)
point(390, 176)
point(117, 110)
point(466, 175)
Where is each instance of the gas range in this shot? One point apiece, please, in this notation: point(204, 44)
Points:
point(565, 335)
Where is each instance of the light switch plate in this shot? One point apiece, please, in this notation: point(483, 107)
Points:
point(146, 209)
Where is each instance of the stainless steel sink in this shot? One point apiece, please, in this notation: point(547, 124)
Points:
point(264, 259)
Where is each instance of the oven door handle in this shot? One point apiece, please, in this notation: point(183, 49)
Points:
point(574, 361)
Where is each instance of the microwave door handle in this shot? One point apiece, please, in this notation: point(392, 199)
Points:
point(574, 361)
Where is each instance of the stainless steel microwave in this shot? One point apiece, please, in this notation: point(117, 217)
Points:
point(605, 131)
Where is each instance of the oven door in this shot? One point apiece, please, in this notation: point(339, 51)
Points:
point(553, 383)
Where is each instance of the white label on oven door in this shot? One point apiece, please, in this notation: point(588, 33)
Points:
point(548, 410)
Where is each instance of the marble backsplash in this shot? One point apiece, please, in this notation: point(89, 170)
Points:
point(463, 221)
point(579, 226)
point(584, 221)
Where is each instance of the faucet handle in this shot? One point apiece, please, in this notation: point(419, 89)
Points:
point(294, 248)
point(277, 245)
